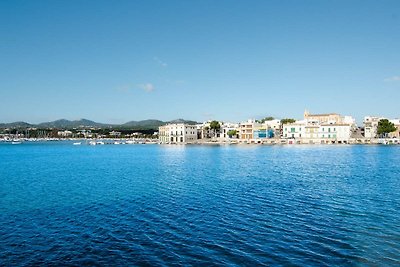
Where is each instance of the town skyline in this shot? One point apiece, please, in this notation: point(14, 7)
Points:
point(199, 60)
point(182, 119)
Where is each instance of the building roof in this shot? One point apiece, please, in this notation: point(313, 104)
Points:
point(336, 124)
point(322, 115)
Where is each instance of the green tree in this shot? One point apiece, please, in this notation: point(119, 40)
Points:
point(286, 121)
point(231, 133)
point(385, 127)
point(215, 126)
point(265, 119)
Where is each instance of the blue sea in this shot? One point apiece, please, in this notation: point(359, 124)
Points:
point(204, 205)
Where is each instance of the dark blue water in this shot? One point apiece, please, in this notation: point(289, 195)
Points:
point(199, 205)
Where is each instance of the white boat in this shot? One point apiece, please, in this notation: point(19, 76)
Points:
point(99, 143)
point(92, 143)
point(77, 143)
point(16, 142)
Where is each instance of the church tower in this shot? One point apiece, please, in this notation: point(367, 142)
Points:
point(306, 114)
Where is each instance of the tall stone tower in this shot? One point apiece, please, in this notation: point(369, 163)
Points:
point(306, 114)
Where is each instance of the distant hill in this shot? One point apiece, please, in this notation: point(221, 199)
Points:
point(153, 124)
point(183, 121)
point(145, 123)
point(17, 124)
point(84, 123)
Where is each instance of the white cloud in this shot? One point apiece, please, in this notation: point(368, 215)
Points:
point(148, 87)
point(160, 62)
point(392, 79)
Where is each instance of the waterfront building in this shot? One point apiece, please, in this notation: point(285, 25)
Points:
point(273, 128)
point(226, 127)
point(332, 133)
point(114, 134)
point(371, 126)
point(177, 133)
point(205, 132)
point(395, 134)
point(65, 133)
point(294, 130)
point(311, 132)
point(247, 129)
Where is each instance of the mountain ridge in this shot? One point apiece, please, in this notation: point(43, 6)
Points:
point(85, 123)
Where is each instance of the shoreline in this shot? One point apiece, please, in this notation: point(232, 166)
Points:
point(239, 142)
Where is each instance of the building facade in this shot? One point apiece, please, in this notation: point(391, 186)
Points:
point(246, 129)
point(177, 133)
point(371, 126)
point(294, 130)
point(328, 118)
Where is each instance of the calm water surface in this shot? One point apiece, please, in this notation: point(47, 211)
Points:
point(199, 205)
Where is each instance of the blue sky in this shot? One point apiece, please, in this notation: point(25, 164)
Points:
point(115, 61)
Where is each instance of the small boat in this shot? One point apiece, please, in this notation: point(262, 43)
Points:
point(16, 142)
point(77, 143)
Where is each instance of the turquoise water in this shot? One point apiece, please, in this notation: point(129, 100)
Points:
point(199, 205)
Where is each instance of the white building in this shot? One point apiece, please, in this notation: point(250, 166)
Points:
point(294, 130)
point(329, 133)
point(313, 132)
point(371, 126)
point(65, 133)
point(274, 125)
point(204, 130)
point(177, 133)
point(226, 127)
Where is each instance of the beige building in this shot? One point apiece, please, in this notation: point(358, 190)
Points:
point(177, 133)
point(247, 128)
point(329, 118)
